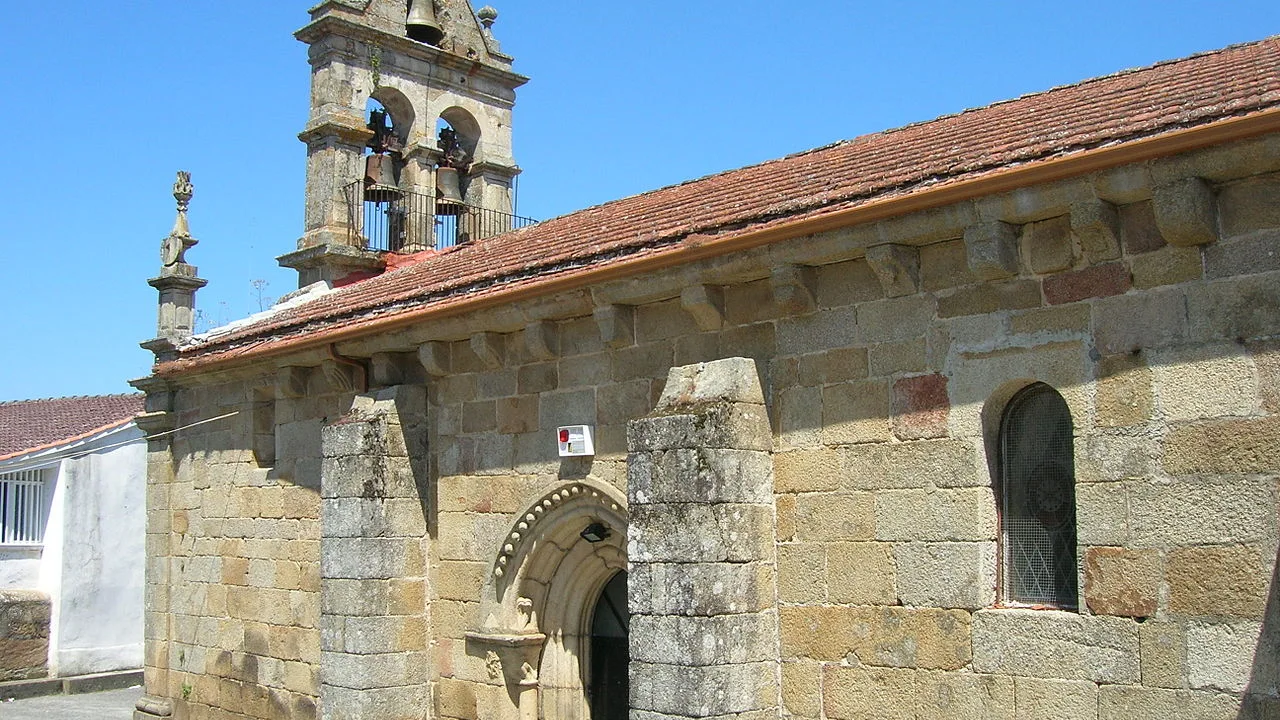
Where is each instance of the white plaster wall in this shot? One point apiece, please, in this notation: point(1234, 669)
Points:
point(19, 567)
point(97, 610)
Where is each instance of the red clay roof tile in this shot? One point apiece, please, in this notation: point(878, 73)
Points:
point(1124, 107)
point(27, 425)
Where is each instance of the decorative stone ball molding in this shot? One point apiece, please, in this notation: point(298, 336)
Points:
point(583, 492)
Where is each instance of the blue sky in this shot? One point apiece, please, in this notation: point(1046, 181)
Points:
point(101, 102)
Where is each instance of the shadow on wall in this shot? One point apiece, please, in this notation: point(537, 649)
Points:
point(1262, 701)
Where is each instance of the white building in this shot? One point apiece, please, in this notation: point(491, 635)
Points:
point(72, 513)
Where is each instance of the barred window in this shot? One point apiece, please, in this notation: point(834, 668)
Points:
point(23, 508)
point(1038, 500)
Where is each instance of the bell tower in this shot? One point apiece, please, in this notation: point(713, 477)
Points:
point(410, 126)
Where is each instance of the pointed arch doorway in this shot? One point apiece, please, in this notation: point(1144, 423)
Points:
point(607, 682)
point(555, 607)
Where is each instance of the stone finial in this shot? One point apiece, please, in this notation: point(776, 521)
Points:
point(487, 15)
point(173, 248)
point(177, 282)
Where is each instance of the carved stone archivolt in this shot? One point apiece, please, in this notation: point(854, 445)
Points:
point(580, 493)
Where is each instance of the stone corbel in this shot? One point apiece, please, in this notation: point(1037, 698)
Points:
point(490, 348)
point(341, 377)
point(617, 325)
point(1096, 224)
point(391, 368)
point(1185, 212)
point(291, 381)
point(706, 304)
point(793, 288)
point(897, 267)
point(158, 415)
point(992, 249)
point(542, 340)
point(434, 356)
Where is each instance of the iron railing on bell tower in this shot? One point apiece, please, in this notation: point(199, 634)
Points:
point(385, 218)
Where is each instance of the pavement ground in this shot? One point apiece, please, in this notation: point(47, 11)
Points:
point(107, 705)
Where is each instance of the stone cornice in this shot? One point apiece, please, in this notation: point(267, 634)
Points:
point(332, 25)
point(336, 126)
point(1006, 180)
point(344, 255)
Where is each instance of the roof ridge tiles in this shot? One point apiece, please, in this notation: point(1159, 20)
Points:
point(71, 397)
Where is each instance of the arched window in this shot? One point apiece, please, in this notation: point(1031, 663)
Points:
point(1038, 500)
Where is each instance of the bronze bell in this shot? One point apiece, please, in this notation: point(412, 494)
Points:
point(448, 192)
point(380, 179)
point(421, 24)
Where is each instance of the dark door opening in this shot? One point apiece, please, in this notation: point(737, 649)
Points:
point(608, 687)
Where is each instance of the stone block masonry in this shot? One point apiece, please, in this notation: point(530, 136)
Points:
point(373, 560)
point(24, 634)
point(700, 494)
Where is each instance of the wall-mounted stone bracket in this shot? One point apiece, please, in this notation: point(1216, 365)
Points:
point(1096, 225)
point(793, 289)
point(1185, 212)
point(490, 347)
point(340, 376)
point(617, 325)
point(291, 381)
point(706, 304)
point(393, 368)
point(897, 267)
point(992, 249)
point(542, 340)
point(434, 356)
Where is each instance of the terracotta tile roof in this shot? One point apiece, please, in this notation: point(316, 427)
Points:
point(1132, 105)
point(27, 425)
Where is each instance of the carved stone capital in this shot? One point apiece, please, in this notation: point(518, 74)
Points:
point(517, 653)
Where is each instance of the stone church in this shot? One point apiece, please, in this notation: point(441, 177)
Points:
point(974, 418)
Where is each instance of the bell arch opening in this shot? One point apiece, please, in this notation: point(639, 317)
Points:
point(464, 125)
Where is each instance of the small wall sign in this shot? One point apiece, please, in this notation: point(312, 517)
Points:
point(575, 441)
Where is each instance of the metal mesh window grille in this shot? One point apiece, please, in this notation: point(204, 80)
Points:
point(1038, 516)
point(22, 507)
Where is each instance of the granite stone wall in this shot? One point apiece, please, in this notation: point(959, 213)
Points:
point(24, 634)
point(1148, 296)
